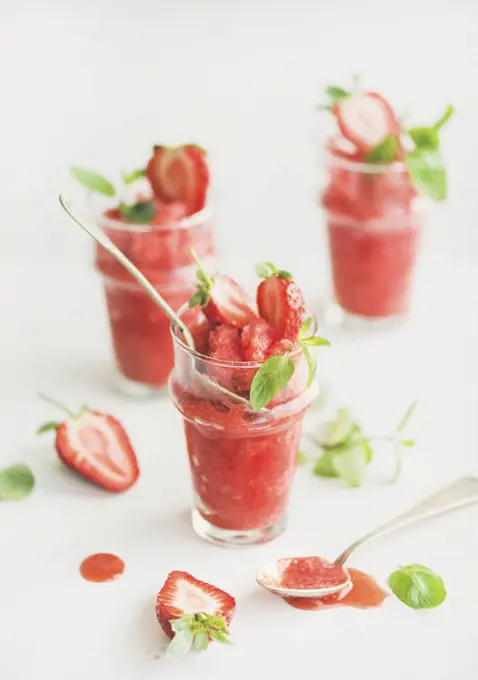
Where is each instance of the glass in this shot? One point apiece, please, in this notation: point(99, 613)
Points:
point(140, 331)
point(242, 462)
point(374, 219)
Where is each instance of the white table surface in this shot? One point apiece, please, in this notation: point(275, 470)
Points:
point(53, 624)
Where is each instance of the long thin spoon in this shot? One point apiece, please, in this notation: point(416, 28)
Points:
point(462, 492)
point(101, 237)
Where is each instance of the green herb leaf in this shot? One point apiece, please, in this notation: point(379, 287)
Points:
point(270, 379)
point(407, 443)
point(305, 327)
point(141, 212)
point(445, 118)
point(417, 586)
point(425, 139)
point(181, 644)
point(283, 274)
point(302, 458)
point(324, 465)
point(264, 270)
point(337, 431)
point(221, 636)
point(350, 464)
point(336, 93)
point(196, 299)
point(133, 176)
point(406, 417)
point(201, 641)
point(384, 152)
point(311, 363)
point(315, 341)
point(16, 482)
point(427, 173)
point(93, 181)
point(47, 427)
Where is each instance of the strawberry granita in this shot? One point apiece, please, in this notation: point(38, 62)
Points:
point(161, 215)
point(379, 176)
point(242, 430)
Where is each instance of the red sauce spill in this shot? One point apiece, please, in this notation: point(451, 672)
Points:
point(101, 567)
point(310, 572)
point(363, 593)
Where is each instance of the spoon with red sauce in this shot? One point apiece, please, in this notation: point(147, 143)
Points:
point(316, 577)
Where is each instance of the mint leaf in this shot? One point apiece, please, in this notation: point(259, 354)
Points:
point(417, 586)
point(133, 176)
point(324, 465)
point(338, 430)
point(16, 482)
point(425, 139)
point(93, 181)
point(384, 152)
point(445, 118)
point(350, 464)
point(315, 341)
point(270, 379)
point(427, 173)
point(141, 212)
point(263, 270)
point(311, 365)
point(305, 327)
point(406, 417)
point(408, 443)
point(201, 641)
point(336, 93)
point(181, 643)
point(48, 427)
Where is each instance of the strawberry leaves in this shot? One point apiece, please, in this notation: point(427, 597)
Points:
point(50, 426)
point(204, 286)
point(192, 632)
point(265, 270)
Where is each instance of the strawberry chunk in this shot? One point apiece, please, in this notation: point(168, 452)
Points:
point(179, 174)
point(225, 343)
point(256, 338)
point(229, 303)
point(281, 304)
point(184, 594)
point(365, 119)
point(169, 213)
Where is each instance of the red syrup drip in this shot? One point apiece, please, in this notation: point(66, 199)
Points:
point(101, 567)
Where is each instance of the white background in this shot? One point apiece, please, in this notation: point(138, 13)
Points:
point(96, 83)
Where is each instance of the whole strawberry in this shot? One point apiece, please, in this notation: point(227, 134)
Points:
point(280, 301)
point(95, 445)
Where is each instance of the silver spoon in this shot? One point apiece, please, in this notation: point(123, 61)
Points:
point(99, 235)
point(462, 492)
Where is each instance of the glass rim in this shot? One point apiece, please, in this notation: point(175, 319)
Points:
point(223, 362)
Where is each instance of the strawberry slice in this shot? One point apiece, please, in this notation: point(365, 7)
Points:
point(194, 611)
point(365, 119)
point(222, 299)
point(281, 303)
point(181, 174)
point(95, 445)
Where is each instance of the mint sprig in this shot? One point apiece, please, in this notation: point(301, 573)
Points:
point(345, 451)
point(385, 151)
point(93, 181)
point(192, 632)
point(16, 482)
point(275, 373)
point(141, 212)
point(417, 586)
point(204, 286)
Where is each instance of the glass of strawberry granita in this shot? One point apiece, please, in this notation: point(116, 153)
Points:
point(380, 179)
point(155, 217)
point(243, 392)
point(242, 461)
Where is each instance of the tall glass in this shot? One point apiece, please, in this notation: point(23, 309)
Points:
point(242, 462)
point(139, 330)
point(374, 219)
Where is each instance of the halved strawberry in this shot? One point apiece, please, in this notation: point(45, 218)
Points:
point(189, 608)
point(222, 299)
point(281, 303)
point(95, 445)
point(366, 118)
point(179, 174)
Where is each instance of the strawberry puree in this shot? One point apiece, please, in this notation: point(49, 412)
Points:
point(101, 567)
point(373, 228)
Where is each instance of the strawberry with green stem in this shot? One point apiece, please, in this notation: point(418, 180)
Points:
point(95, 445)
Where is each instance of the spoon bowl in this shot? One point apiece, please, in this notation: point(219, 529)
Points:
point(274, 576)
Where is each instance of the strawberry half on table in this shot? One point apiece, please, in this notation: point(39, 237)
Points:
point(95, 445)
point(179, 173)
point(192, 613)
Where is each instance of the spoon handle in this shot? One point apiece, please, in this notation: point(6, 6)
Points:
point(462, 492)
